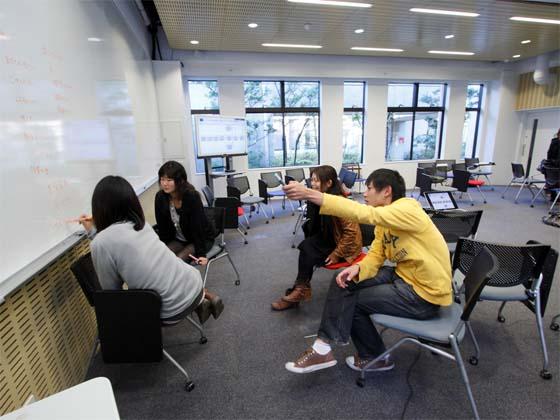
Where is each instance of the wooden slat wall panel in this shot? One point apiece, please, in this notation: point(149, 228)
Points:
point(47, 333)
point(533, 96)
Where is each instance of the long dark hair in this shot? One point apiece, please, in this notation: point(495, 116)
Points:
point(326, 173)
point(176, 171)
point(114, 200)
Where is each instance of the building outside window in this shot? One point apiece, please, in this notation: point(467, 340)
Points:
point(204, 99)
point(472, 120)
point(415, 113)
point(353, 122)
point(282, 123)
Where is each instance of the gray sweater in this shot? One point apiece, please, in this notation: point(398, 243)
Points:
point(138, 258)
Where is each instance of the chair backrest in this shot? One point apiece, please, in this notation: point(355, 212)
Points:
point(461, 180)
point(485, 264)
point(456, 224)
point(427, 167)
point(129, 325)
point(87, 278)
point(271, 178)
point(233, 192)
point(471, 162)
point(519, 264)
point(423, 181)
point(441, 170)
point(447, 162)
point(230, 206)
point(552, 176)
point(241, 183)
point(342, 173)
point(517, 170)
point(548, 270)
point(209, 195)
point(216, 215)
point(368, 234)
point(297, 173)
point(349, 179)
point(263, 193)
point(288, 179)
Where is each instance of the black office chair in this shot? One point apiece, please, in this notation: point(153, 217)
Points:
point(476, 170)
point(218, 250)
point(462, 182)
point(272, 180)
point(231, 216)
point(448, 328)
point(297, 174)
point(128, 321)
point(521, 277)
point(520, 178)
point(457, 224)
point(239, 186)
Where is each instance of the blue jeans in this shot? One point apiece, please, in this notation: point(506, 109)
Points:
point(347, 311)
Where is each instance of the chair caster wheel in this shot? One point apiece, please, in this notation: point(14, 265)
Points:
point(293, 246)
point(293, 214)
point(237, 282)
point(267, 222)
point(501, 319)
point(360, 382)
point(189, 386)
point(485, 202)
point(203, 340)
point(473, 360)
point(245, 242)
point(273, 217)
point(532, 206)
point(554, 326)
point(545, 374)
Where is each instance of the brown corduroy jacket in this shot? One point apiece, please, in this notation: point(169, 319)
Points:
point(348, 239)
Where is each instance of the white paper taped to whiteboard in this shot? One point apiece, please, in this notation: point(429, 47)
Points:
point(72, 112)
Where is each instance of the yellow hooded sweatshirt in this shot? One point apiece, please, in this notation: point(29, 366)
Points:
point(404, 235)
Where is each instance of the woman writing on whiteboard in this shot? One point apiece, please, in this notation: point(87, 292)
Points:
point(181, 222)
point(126, 249)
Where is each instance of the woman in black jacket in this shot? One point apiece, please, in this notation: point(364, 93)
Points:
point(180, 217)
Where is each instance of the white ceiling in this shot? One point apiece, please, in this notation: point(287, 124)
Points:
point(221, 25)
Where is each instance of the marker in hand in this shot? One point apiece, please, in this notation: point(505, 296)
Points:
point(196, 260)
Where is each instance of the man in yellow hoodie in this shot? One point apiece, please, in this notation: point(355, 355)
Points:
point(414, 285)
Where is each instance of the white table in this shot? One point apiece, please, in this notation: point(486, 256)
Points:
point(92, 399)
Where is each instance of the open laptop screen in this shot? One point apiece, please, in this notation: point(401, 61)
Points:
point(441, 200)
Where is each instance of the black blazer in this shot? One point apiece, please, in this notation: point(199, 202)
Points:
point(196, 228)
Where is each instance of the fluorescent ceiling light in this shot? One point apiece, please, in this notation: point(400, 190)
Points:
point(527, 41)
point(535, 20)
point(253, 25)
point(449, 36)
point(444, 12)
point(451, 52)
point(292, 46)
point(359, 31)
point(94, 39)
point(194, 42)
point(333, 3)
point(516, 56)
point(377, 49)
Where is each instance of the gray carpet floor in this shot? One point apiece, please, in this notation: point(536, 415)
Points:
point(240, 374)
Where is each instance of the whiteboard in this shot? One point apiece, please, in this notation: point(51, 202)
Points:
point(220, 136)
point(72, 110)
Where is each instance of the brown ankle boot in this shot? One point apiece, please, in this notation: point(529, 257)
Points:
point(282, 305)
point(300, 292)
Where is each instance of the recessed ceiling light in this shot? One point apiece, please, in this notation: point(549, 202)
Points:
point(377, 49)
point(292, 46)
point(359, 31)
point(332, 3)
point(527, 41)
point(451, 52)
point(516, 55)
point(449, 36)
point(194, 42)
point(94, 39)
point(253, 25)
point(535, 20)
point(444, 12)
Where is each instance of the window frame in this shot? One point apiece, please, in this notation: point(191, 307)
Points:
point(414, 109)
point(478, 111)
point(287, 110)
point(356, 110)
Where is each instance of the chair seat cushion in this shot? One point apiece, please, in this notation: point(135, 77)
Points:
point(435, 329)
point(346, 264)
point(240, 211)
point(251, 200)
point(214, 251)
point(514, 293)
point(443, 188)
point(475, 182)
point(481, 173)
point(278, 193)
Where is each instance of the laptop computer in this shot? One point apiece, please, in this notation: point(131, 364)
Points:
point(441, 201)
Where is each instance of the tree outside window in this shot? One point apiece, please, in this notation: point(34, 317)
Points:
point(472, 119)
point(353, 122)
point(204, 100)
point(415, 114)
point(282, 123)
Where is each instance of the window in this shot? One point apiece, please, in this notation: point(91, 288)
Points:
point(282, 123)
point(353, 122)
point(415, 113)
point(203, 96)
point(472, 118)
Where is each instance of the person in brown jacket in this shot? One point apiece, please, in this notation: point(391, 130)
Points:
point(328, 240)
